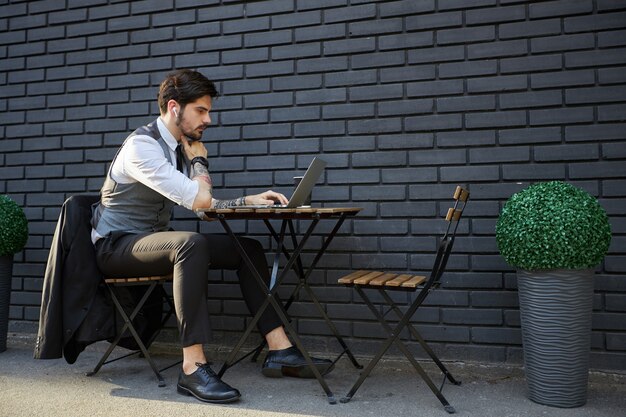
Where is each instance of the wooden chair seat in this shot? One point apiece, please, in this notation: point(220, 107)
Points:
point(382, 279)
point(138, 280)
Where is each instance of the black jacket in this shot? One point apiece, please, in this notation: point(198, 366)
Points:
point(75, 310)
point(76, 307)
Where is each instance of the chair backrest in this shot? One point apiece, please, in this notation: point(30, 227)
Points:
point(453, 217)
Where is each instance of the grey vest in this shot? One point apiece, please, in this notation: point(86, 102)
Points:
point(134, 207)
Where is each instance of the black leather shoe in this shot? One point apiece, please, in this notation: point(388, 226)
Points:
point(290, 362)
point(206, 386)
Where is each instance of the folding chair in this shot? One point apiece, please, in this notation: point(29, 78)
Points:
point(151, 284)
point(382, 282)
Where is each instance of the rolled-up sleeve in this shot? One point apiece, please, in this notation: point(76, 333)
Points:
point(145, 162)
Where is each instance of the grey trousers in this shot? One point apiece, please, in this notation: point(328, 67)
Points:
point(190, 256)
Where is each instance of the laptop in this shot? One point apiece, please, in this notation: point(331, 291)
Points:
point(303, 189)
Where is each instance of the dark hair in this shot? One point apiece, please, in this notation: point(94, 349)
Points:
point(184, 86)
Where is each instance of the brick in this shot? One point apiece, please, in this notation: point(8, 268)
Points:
point(366, 28)
point(319, 129)
point(220, 13)
point(347, 78)
point(530, 135)
point(609, 131)
point(31, 48)
point(405, 107)
point(465, 35)
point(535, 172)
point(317, 33)
point(565, 152)
point(296, 51)
point(613, 151)
point(466, 138)
point(24, 22)
point(269, 7)
point(466, 103)
point(613, 112)
point(89, 28)
point(531, 99)
point(530, 64)
point(434, 88)
point(270, 100)
point(352, 143)
point(495, 15)
point(378, 59)
point(595, 58)
point(504, 154)
point(529, 28)
point(197, 30)
point(274, 37)
point(561, 116)
point(560, 8)
point(435, 20)
point(498, 83)
point(369, 159)
point(436, 54)
point(603, 169)
point(67, 16)
point(110, 39)
point(595, 95)
point(405, 41)
point(496, 119)
point(388, 227)
point(412, 73)
point(451, 4)
point(322, 64)
point(298, 19)
point(361, 176)
point(472, 173)
point(347, 14)
point(562, 43)
point(292, 114)
point(615, 341)
point(269, 69)
point(294, 146)
point(250, 24)
point(497, 49)
point(378, 92)
point(346, 111)
point(471, 317)
point(326, 95)
point(409, 175)
point(497, 335)
point(467, 69)
point(562, 79)
point(611, 38)
point(595, 22)
point(437, 157)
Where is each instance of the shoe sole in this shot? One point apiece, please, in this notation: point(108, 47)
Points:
point(303, 371)
point(185, 391)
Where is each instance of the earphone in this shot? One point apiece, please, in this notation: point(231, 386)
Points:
point(175, 112)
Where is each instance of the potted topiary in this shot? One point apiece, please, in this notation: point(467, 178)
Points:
point(554, 234)
point(13, 236)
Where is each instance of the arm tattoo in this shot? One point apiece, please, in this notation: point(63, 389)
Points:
point(221, 204)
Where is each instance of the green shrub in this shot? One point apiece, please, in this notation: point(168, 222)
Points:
point(13, 227)
point(553, 225)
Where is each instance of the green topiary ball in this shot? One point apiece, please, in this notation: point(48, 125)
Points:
point(13, 227)
point(553, 225)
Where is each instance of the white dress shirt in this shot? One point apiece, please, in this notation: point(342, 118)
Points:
point(141, 159)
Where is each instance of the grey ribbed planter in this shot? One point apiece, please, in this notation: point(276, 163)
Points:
point(555, 309)
point(6, 272)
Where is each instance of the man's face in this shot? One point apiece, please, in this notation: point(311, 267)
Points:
point(194, 118)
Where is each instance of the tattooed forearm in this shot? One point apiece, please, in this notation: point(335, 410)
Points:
point(220, 204)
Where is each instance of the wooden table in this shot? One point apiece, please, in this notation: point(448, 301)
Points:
point(294, 261)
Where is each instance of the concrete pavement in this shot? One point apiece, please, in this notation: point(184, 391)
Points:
point(51, 388)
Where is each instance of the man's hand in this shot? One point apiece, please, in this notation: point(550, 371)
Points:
point(267, 198)
point(193, 149)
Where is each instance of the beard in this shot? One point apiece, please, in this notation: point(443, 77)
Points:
point(192, 134)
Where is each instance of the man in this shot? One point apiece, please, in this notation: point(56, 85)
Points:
point(131, 233)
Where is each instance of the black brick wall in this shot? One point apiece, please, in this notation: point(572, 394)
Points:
point(405, 99)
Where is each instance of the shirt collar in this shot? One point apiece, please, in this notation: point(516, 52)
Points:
point(166, 135)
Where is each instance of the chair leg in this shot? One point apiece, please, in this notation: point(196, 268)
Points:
point(394, 338)
point(420, 340)
point(129, 325)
